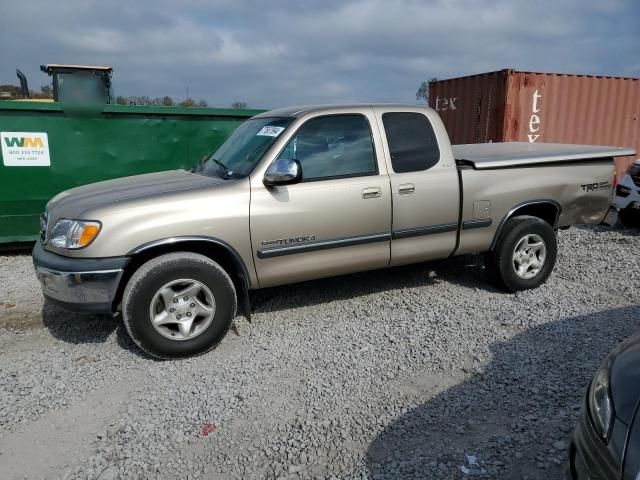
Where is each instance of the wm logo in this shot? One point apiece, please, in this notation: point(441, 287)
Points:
point(26, 142)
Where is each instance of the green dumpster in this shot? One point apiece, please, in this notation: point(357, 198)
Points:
point(47, 149)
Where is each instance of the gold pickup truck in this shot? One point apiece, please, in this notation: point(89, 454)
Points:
point(309, 192)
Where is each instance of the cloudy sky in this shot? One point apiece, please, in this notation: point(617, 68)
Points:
point(273, 53)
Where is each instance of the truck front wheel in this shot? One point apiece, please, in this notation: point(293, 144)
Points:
point(178, 305)
point(524, 255)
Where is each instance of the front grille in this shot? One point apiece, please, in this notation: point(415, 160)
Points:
point(44, 223)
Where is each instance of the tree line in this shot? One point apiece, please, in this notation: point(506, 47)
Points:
point(167, 101)
point(423, 90)
point(46, 91)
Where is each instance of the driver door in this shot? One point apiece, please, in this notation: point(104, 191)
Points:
point(338, 218)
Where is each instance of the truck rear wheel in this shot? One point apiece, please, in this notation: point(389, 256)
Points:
point(524, 255)
point(178, 305)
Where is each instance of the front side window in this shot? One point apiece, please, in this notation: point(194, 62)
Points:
point(333, 147)
point(412, 142)
point(242, 151)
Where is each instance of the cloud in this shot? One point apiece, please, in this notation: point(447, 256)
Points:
point(272, 54)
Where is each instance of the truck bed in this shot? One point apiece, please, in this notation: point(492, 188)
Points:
point(484, 156)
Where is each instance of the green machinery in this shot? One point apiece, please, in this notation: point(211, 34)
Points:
point(80, 83)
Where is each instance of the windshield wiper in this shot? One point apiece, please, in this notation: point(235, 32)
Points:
point(200, 166)
point(225, 170)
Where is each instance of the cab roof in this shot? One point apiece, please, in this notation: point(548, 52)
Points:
point(300, 110)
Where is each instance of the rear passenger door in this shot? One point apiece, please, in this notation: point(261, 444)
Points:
point(424, 186)
point(338, 219)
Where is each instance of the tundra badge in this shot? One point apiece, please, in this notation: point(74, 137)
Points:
point(288, 241)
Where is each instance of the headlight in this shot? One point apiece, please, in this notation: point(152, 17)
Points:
point(74, 233)
point(600, 404)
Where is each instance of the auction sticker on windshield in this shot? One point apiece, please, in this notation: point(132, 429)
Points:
point(270, 131)
point(25, 149)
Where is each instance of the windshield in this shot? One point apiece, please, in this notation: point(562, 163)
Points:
point(241, 152)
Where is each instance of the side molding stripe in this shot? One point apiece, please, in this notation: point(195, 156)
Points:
point(426, 230)
point(365, 239)
point(322, 245)
point(476, 223)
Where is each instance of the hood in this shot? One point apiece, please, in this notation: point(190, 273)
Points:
point(72, 203)
point(625, 378)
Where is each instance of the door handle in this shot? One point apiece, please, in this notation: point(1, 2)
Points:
point(372, 192)
point(406, 188)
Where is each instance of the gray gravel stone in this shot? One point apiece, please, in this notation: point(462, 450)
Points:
point(391, 374)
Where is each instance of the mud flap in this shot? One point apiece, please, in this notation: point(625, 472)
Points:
point(611, 218)
point(245, 302)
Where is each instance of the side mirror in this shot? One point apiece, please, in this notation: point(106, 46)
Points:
point(284, 171)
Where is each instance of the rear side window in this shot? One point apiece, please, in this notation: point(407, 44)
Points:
point(412, 141)
point(333, 147)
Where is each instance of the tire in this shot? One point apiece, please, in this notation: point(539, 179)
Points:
point(198, 292)
point(629, 217)
point(510, 272)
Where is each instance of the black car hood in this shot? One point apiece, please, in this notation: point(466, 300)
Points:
point(625, 378)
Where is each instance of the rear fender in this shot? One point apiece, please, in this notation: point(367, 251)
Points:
point(545, 209)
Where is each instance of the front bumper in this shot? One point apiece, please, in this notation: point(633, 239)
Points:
point(590, 458)
point(86, 285)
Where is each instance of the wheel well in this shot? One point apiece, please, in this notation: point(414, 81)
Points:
point(546, 210)
point(216, 252)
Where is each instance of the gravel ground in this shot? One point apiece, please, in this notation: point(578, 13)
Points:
point(416, 372)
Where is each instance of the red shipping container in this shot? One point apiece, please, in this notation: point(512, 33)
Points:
point(510, 106)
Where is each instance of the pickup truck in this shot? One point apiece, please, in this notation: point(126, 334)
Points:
point(302, 193)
